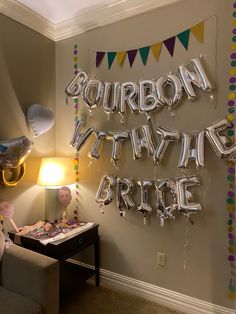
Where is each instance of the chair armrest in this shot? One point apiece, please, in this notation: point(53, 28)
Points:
point(33, 275)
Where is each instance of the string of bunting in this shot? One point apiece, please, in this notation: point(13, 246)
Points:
point(231, 167)
point(76, 156)
point(197, 30)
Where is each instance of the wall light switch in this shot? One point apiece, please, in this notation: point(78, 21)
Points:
point(161, 259)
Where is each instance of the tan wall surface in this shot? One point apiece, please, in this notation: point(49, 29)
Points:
point(27, 62)
point(128, 246)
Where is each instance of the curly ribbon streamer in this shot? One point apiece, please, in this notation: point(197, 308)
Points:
point(186, 245)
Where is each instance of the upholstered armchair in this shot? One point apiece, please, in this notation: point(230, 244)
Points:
point(29, 282)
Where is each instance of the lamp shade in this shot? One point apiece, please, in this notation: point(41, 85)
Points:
point(56, 171)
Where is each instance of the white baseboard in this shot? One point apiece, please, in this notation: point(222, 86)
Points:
point(162, 296)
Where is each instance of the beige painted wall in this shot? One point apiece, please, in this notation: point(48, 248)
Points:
point(27, 62)
point(128, 246)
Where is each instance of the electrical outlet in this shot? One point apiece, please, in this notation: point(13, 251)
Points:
point(161, 259)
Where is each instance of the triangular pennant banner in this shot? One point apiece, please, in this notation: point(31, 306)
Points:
point(131, 55)
point(120, 57)
point(144, 52)
point(156, 50)
point(110, 57)
point(198, 31)
point(99, 56)
point(184, 38)
point(170, 45)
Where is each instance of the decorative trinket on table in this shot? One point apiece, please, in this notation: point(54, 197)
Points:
point(45, 229)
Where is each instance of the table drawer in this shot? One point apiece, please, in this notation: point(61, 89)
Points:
point(64, 248)
point(74, 244)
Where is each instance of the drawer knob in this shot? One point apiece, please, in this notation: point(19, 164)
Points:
point(81, 240)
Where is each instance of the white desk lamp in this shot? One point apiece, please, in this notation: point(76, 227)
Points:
point(55, 174)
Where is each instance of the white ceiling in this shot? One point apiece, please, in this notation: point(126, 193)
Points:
point(60, 19)
point(57, 11)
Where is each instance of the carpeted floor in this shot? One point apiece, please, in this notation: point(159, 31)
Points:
point(101, 300)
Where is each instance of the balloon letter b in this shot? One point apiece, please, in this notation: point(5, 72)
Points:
point(74, 88)
point(105, 194)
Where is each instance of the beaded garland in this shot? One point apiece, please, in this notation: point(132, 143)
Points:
point(76, 156)
point(231, 167)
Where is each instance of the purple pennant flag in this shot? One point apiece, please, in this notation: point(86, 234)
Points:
point(131, 56)
point(170, 45)
point(100, 55)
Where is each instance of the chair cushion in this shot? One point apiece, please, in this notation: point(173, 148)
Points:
point(12, 303)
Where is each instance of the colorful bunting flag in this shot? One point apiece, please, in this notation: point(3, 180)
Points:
point(99, 56)
point(110, 57)
point(131, 56)
point(170, 45)
point(144, 52)
point(156, 50)
point(183, 37)
point(198, 31)
point(120, 57)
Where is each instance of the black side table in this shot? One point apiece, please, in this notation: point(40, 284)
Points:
point(64, 249)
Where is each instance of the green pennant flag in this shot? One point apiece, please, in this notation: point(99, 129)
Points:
point(144, 52)
point(184, 38)
point(110, 56)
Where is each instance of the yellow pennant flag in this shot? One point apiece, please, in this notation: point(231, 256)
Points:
point(198, 31)
point(156, 50)
point(120, 56)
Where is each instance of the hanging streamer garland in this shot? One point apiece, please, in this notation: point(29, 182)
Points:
point(231, 166)
point(144, 52)
point(76, 156)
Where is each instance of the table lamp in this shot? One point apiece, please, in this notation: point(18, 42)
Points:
point(55, 174)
